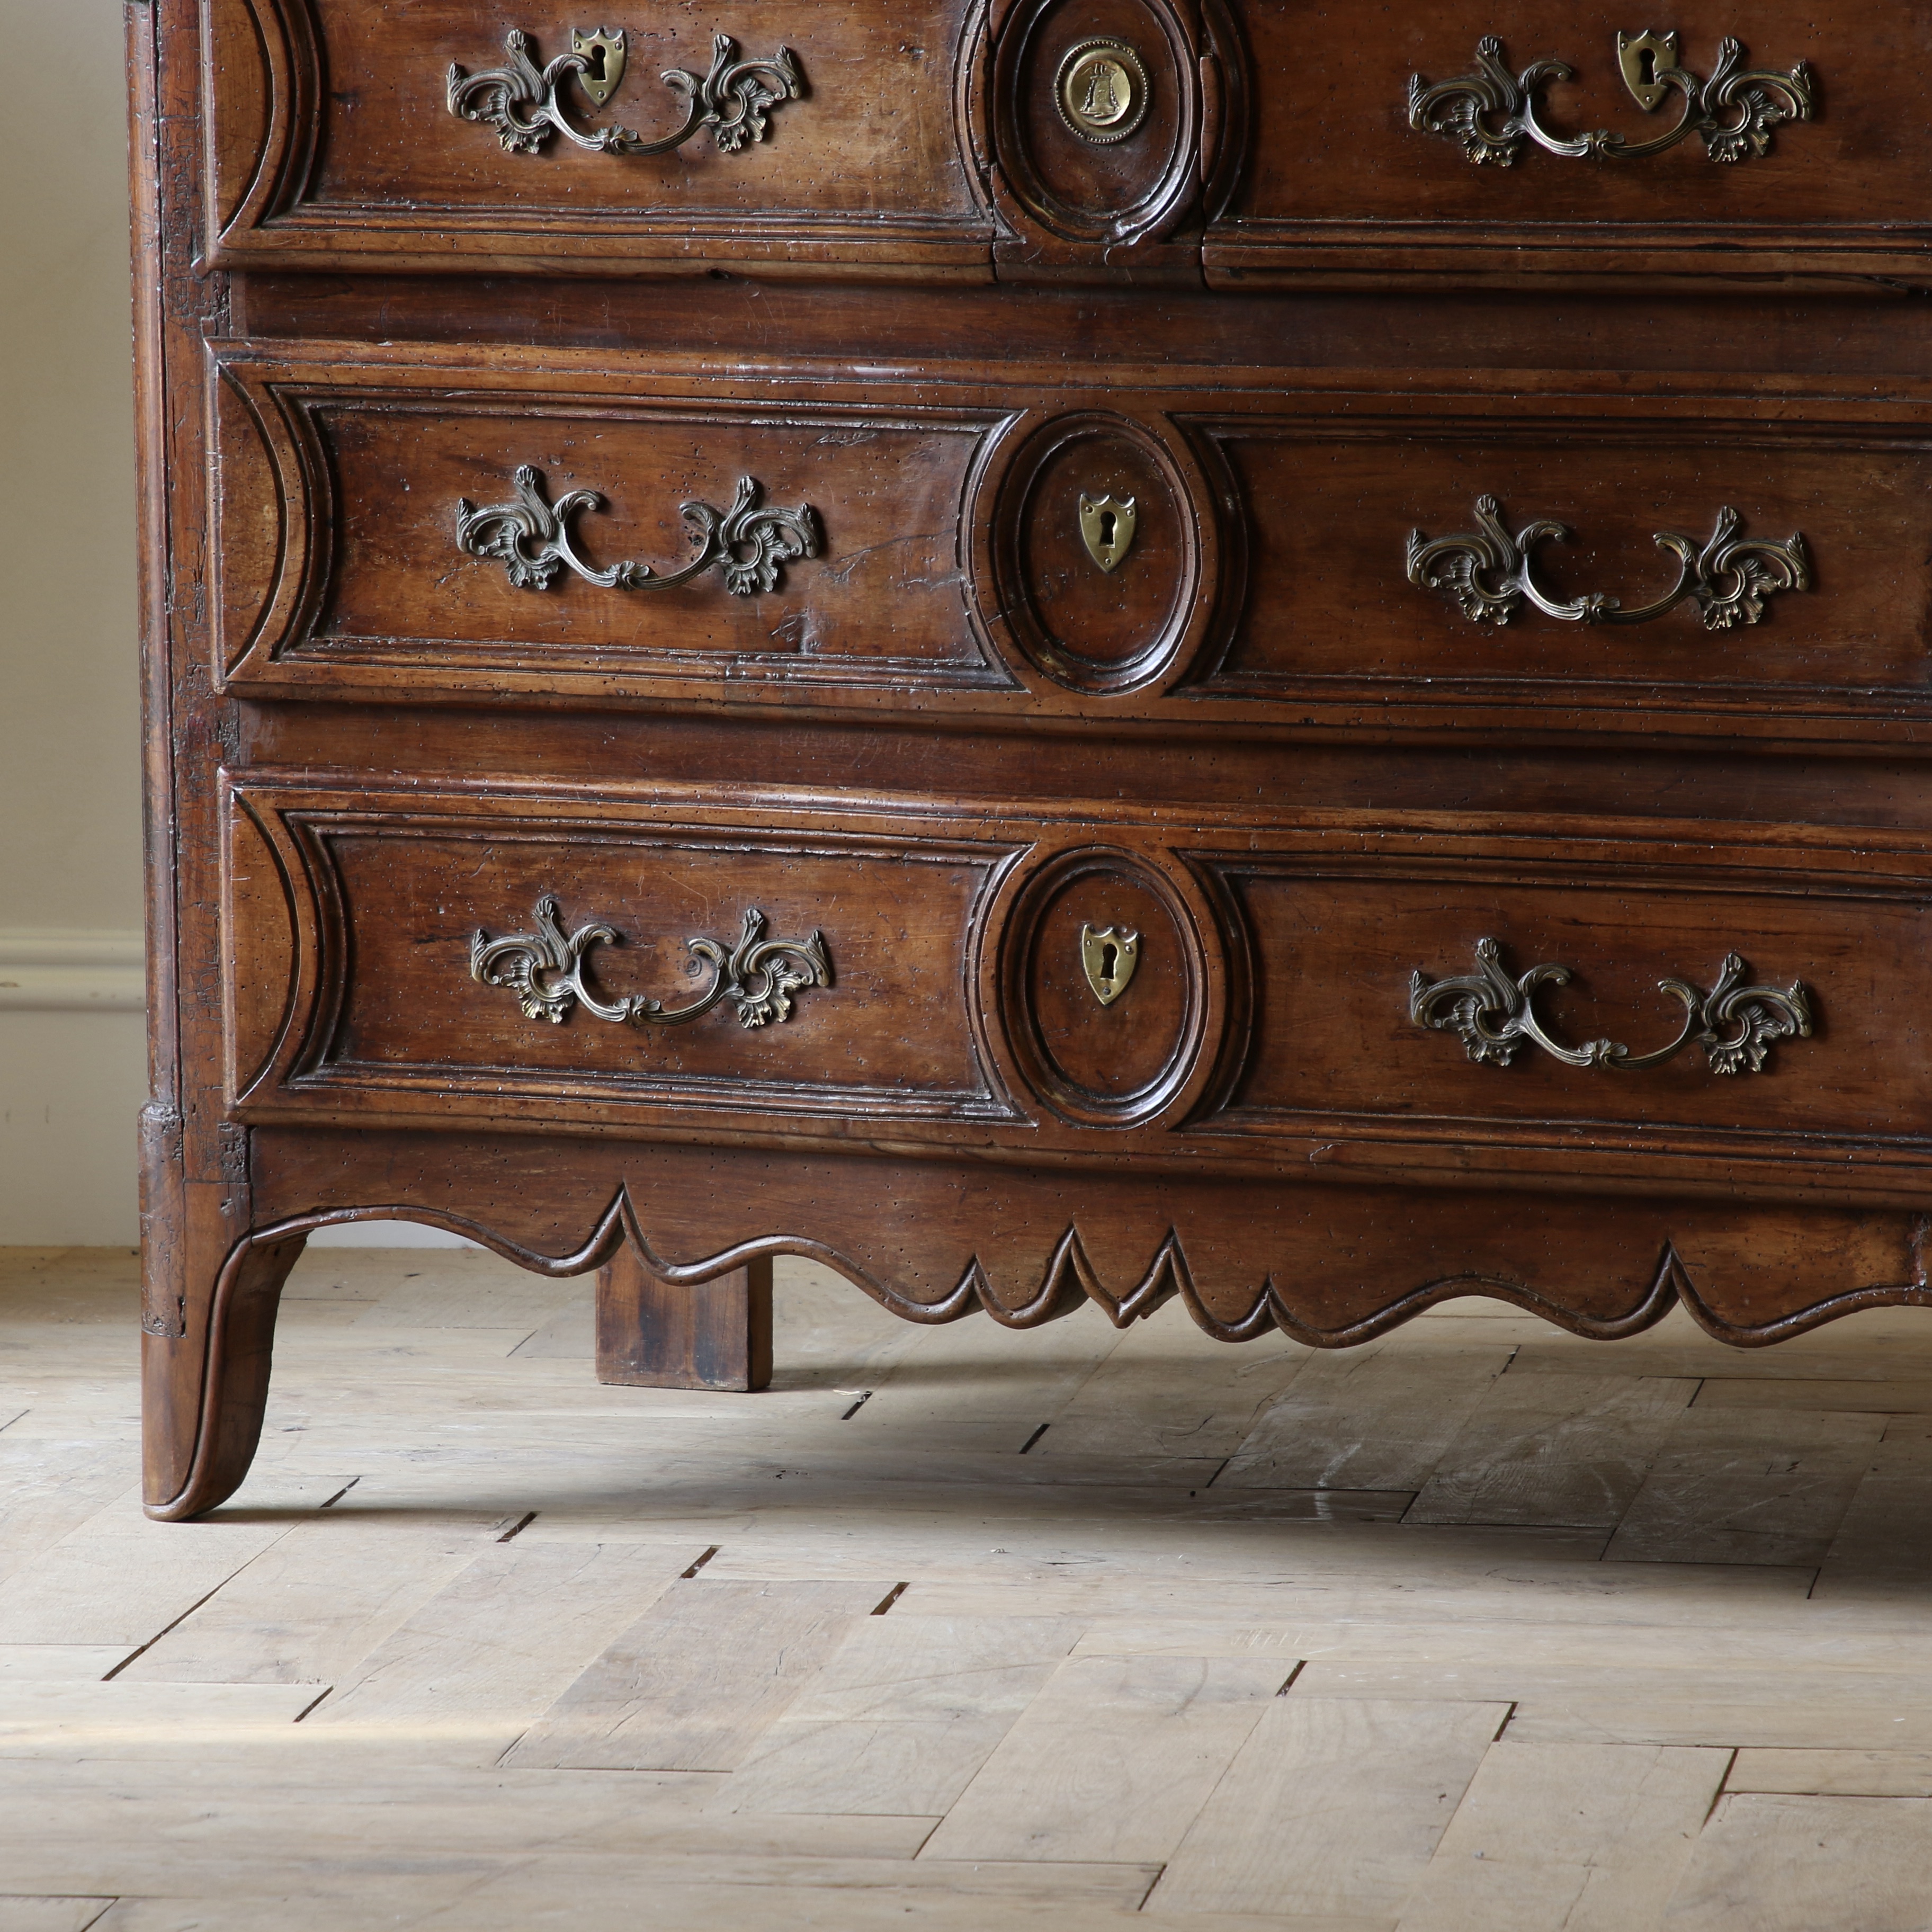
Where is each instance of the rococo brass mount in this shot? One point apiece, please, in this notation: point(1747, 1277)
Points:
point(531, 536)
point(524, 102)
point(1728, 578)
point(1490, 112)
point(545, 970)
point(1493, 1014)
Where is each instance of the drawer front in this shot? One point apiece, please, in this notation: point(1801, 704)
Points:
point(1738, 559)
point(1413, 149)
point(1699, 1006)
point(916, 143)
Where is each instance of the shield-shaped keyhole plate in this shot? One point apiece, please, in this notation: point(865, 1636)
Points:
point(1107, 529)
point(602, 54)
point(1643, 57)
point(1110, 956)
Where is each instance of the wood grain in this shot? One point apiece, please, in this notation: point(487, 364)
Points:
point(691, 1685)
point(1054, 1788)
point(1296, 1810)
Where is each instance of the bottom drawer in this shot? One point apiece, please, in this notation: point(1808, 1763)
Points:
point(1706, 1006)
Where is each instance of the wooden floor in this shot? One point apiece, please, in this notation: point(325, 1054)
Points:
point(1478, 1627)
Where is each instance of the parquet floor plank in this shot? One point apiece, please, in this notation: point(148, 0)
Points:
point(1748, 1486)
point(1310, 1436)
point(693, 1683)
point(1588, 1838)
point(1337, 1803)
point(1756, 1866)
point(903, 1715)
point(1111, 1761)
point(491, 1650)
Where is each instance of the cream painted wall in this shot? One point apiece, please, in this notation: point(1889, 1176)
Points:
point(72, 1065)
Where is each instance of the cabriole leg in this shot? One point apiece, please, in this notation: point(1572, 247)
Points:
point(208, 1325)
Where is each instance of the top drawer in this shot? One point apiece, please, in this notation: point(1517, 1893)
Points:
point(1089, 138)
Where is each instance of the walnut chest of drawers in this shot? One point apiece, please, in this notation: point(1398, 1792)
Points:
point(1054, 651)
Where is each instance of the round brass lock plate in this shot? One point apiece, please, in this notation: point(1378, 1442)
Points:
point(1101, 91)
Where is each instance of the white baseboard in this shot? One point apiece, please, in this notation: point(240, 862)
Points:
point(48, 970)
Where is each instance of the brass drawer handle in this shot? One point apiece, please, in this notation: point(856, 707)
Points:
point(1735, 110)
point(1493, 1014)
point(1728, 576)
point(545, 970)
point(524, 102)
point(531, 537)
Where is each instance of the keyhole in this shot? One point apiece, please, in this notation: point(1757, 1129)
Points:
point(1646, 65)
point(1109, 956)
point(595, 70)
point(1107, 522)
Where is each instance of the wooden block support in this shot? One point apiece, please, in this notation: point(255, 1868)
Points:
point(652, 1334)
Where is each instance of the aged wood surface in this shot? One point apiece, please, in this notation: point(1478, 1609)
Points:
point(651, 1334)
point(871, 1648)
point(1041, 651)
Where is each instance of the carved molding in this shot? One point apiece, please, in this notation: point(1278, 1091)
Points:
point(524, 102)
point(1154, 191)
point(546, 970)
point(1068, 1278)
point(748, 544)
point(1491, 113)
point(274, 175)
point(1494, 1014)
point(1182, 501)
point(1488, 573)
point(1068, 1274)
point(1176, 939)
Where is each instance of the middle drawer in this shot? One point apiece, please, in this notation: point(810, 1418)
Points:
point(1425, 550)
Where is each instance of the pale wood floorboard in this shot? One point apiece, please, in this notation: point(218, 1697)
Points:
point(1479, 1629)
point(1334, 1803)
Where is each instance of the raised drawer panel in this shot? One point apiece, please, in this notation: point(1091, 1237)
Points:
point(831, 539)
point(335, 139)
point(1734, 557)
point(1329, 601)
point(476, 956)
point(1341, 1033)
point(1345, 178)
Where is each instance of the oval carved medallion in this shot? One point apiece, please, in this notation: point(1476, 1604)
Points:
point(1103, 988)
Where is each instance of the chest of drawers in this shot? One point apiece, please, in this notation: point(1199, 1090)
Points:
point(1060, 651)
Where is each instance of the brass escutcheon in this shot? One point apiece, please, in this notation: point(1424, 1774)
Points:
point(602, 54)
point(1644, 57)
point(1102, 91)
point(1110, 956)
point(1107, 526)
